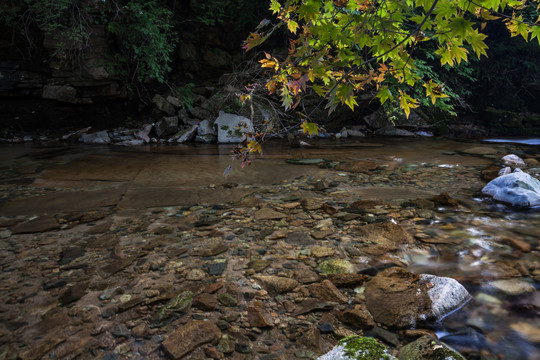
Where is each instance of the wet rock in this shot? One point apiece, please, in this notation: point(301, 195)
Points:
point(226, 344)
point(140, 331)
point(178, 305)
point(227, 299)
point(358, 318)
point(304, 274)
point(73, 293)
point(444, 199)
point(322, 251)
point(428, 348)
point(358, 166)
point(268, 214)
point(121, 331)
point(166, 126)
point(232, 128)
point(115, 266)
point(512, 287)
point(259, 265)
point(305, 161)
point(196, 275)
point(163, 105)
point(299, 238)
point(527, 331)
point(39, 224)
point(310, 305)
point(216, 268)
point(382, 237)
point(189, 337)
point(71, 254)
point(100, 137)
point(325, 290)
point(400, 299)
point(490, 172)
point(214, 248)
point(276, 284)
point(311, 204)
point(518, 244)
point(517, 188)
point(259, 317)
point(336, 266)
point(480, 150)
point(205, 302)
point(358, 347)
point(347, 280)
point(513, 161)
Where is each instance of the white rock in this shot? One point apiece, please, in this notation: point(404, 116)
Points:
point(514, 161)
point(205, 128)
point(517, 188)
point(232, 128)
point(446, 294)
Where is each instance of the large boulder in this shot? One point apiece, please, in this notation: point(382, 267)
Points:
point(400, 299)
point(232, 128)
point(517, 189)
point(100, 137)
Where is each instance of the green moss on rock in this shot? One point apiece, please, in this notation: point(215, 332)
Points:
point(364, 348)
point(427, 348)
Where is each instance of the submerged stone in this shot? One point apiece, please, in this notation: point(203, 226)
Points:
point(517, 189)
point(427, 348)
point(177, 306)
point(336, 266)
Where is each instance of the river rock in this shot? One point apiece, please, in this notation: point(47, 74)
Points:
point(512, 287)
point(276, 284)
point(268, 214)
point(513, 161)
point(189, 337)
point(100, 137)
point(357, 166)
point(428, 348)
point(327, 291)
point(517, 189)
point(380, 238)
point(392, 131)
point(232, 128)
point(187, 135)
point(39, 224)
point(359, 318)
point(336, 266)
point(527, 331)
point(358, 347)
point(166, 126)
point(400, 299)
point(479, 150)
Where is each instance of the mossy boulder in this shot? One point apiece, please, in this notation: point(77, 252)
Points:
point(358, 348)
point(427, 348)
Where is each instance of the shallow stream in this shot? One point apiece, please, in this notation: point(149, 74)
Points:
point(478, 243)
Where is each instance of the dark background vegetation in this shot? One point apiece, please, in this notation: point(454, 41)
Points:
point(68, 63)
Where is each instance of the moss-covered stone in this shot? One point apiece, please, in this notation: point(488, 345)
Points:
point(427, 348)
point(336, 266)
point(178, 305)
point(364, 348)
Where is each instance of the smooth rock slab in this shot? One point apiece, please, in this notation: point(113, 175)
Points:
point(276, 284)
point(517, 189)
point(512, 287)
point(189, 337)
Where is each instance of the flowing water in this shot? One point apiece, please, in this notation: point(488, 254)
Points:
point(477, 243)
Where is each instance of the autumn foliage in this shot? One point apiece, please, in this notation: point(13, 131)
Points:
point(341, 48)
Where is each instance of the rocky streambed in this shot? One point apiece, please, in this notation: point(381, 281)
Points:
point(152, 254)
